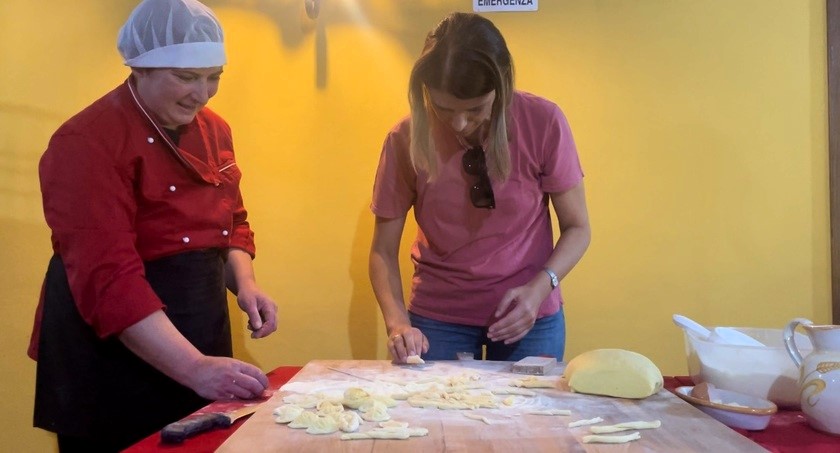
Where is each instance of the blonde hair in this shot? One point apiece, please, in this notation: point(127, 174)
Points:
point(467, 57)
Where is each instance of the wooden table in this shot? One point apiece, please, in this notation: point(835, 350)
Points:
point(788, 431)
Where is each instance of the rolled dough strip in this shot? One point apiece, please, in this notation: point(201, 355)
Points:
point(387, 433)
point(552, 412)
point(590, 421)
point(372, 434)
point(625, 427)
point(479, 418)
point(597, 438)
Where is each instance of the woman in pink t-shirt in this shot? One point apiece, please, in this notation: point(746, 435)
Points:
point(479, 163)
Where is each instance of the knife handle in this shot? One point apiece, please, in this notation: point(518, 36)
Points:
point(177, 432)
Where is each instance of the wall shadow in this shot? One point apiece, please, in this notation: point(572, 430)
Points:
point(363, 312)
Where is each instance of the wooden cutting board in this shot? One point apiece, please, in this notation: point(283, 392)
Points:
point(684, 428)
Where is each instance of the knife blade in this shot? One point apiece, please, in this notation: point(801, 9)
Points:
point(177, 432)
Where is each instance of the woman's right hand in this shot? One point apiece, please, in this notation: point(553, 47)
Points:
point(220, 378)
point(404, 341)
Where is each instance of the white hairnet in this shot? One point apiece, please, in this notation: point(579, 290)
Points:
point(172, 34)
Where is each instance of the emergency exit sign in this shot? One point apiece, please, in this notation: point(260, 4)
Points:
point(483, 6)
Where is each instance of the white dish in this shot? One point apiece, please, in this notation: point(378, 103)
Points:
point(763, 371)
point(735, 409)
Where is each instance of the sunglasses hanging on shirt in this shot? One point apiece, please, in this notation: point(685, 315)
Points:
point(481, 192)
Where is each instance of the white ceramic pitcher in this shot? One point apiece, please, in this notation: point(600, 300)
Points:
point(819, 374)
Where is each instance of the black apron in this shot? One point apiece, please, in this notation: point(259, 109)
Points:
point(91, 388)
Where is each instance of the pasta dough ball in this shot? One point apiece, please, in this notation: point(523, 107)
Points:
point(613, 372)
point(354, 397)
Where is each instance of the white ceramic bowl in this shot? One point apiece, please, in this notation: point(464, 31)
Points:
point(765, 372)
point(734, 409)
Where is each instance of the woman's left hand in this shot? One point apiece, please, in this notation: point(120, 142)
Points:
point(517, 313)
point(261, 311)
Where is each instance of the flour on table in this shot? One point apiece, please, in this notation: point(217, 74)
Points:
point(551, 412)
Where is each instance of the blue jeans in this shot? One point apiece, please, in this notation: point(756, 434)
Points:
point(546, 338)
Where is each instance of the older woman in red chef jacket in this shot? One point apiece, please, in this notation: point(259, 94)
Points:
point(141, 192)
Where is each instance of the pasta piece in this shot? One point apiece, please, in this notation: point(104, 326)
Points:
point(376, 412)
point(373, 434)
point(287, 412)
point(387, 433)
point(414, 360)
point(354, 397)
point(590, 421)
point(479, 418)
point(304, 420)
point(452, 400)
point(323, 425)
point(625, 427)
point(328, 407)
point(532, 382)
point(513, 391)
point(348, 421)
point(597, 438)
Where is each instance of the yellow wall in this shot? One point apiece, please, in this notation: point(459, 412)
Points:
point(701, 128)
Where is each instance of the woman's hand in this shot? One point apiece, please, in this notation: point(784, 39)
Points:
point(404, 341)
point(261, 310)
point(517, 312)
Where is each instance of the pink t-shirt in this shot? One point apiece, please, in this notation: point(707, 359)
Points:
point(466, 258)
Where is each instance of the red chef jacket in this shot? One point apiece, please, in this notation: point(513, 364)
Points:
point(117, 191)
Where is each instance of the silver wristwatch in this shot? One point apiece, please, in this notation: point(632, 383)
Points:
point(555, 282)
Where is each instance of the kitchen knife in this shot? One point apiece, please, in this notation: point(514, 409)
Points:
point(177, 432)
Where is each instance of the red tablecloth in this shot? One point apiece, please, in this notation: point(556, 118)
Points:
point(209, 441)
point(788, 430)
